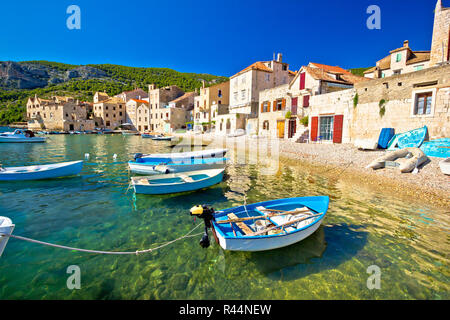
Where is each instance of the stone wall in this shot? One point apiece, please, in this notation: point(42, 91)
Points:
point(441, 29)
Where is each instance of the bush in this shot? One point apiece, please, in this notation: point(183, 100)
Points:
point(304, 121)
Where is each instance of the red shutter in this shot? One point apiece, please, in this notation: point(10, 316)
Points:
point(275, 105)
point(283, 104)
point(305, 101)
point(294, 102)
point(302, 80)
point(262, 107)
point(314, 128)
point(337, 130)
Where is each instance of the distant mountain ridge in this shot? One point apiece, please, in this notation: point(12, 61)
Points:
point(39, 74)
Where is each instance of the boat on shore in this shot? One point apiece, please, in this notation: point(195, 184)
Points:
point(439, 148)
point(162, 138)
point(445, 166)
point(20, 136)
point(265, 225)
point(180, 156)
point(39, 172)
point(177, 182)
point(406, 160)
point(190, 165)
point(410, 139)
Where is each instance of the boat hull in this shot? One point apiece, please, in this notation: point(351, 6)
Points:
point(6, 227)
point(445, 166)
point(439, 148)
point(154, 168)
point(177, 188)
point(21, 140)
point(410, 139)
point(271, 242)
point(48, 172)
point(183, 156)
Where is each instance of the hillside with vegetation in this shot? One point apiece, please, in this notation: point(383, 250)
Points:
point(20, 80)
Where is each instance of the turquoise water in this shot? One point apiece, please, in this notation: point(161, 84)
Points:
point(407, 240)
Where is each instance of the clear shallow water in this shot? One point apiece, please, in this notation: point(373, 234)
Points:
point(408, 240)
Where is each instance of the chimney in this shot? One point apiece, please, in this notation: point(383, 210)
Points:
point(203, 84)
point(280, 57)
point(406, 43)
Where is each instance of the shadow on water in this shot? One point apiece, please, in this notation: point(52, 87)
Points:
point(326, 249)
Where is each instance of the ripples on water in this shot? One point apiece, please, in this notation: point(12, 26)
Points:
point(409, 241)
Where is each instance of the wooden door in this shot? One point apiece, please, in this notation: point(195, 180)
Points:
point(280, 129)
point(292, 129)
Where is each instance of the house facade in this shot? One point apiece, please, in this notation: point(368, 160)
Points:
point(59, 114)
point(245, 87)
point(206, 104)
point(159, 99)
point(138, 114)
point(111, 111)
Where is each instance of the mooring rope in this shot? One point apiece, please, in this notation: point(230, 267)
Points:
point(187, 235)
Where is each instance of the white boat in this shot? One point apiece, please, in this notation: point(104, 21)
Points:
point(191, 165)
point(181, 156)
point(265, 225)
point(20, 136)
point(6, 227)
point(366, 144)
point(445, 166)
point(177, 182)
point(162, 138)
point(38, 172)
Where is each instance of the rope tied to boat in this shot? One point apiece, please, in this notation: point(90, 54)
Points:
point(137, 252)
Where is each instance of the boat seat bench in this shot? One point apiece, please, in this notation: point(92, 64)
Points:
point(244, 228)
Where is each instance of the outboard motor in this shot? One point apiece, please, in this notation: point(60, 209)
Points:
point(137, 156)
point(207, 214)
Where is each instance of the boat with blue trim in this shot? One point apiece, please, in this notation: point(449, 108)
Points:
point(265, 225)
point(178, 166)
point(38, 172)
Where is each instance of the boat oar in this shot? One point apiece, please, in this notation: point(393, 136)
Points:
point(261, 217)
point(282, 225)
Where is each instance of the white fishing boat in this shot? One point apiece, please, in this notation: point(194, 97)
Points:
point(181, 156)
point(38, 172)
point(162, 138)
point(177, 182)
point(20, 136)
point(6, 227)
point(237, 133)
point(445, 166)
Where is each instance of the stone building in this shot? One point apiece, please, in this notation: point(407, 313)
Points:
point(440, 44)
point(403, 102)
point(58, 114)
point(138, 114)
point(137, 94)
point(159, 99)
point(111, 111)
point(207, 103)
point(245, 87)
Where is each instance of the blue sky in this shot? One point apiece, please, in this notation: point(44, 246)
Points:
point(217, 37)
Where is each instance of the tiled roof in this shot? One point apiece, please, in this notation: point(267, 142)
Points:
point(418, 56)
point(112, 100)
point(140, 101)
point(102, 94)
point(184, 96)
point(259, 65)
point(333, 69)
point(322, 74)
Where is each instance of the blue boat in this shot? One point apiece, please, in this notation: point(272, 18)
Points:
point(177, 182)
point(179, 166)
point(386, 135)
point(147, 135)
point(265, 225)
point(439, 148)
point(410, 139)
point(39, 172)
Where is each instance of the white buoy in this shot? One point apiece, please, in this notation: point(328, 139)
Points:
point(115, 156)
point(6, 227)
point(86, 155)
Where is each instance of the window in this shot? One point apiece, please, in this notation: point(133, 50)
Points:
point(284, 67)
point(235, 95)
point(418, 68)
point(398, 58)
point(120, 113)
point(279, 105)
point(383, 75)
point(326, 128)
point(266, 125)
point(267, 77)
point(220, 94)
point(397, 72)
point(106, 108)
point(423, 103)
point(243, 94)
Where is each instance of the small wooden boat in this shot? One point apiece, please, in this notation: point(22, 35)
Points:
point(439, 148)
point(445, 166)
point(147, 135)
point(177, 182)
point(265, 225)
point(20, 136)
point(174, 167)
point(38, 172)
point(181, 156)
point(410, 139)
point(6, 227)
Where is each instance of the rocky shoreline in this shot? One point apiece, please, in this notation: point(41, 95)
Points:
point(429, 184)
